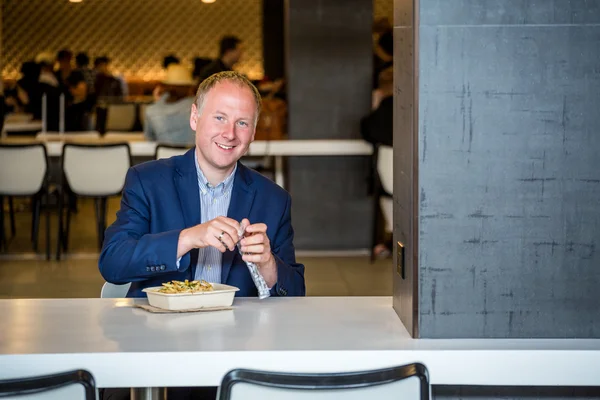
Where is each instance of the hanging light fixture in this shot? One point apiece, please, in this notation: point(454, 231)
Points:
point(75, 1)
point(208, 1)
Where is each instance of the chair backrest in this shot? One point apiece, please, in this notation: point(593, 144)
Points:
point(22, 169)
point(385, 167)
point(405, 382)
point(142, 113)
point(112, 291)
point(120, 117)
point(166, 151)
point(96, 170)
point(74, 385)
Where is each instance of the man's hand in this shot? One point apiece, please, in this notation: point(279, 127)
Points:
point(257, 249)
point(220, 233)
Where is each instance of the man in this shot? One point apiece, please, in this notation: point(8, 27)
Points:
point(82, 61)
point(64, 59)
point(167, 120)
point(230, 52)
point(179, 217)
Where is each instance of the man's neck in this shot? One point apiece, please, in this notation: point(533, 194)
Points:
point(227, 62)
point(213, 175)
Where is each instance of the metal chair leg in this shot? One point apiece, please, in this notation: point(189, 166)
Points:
point(2, 232)
point(59, 237)
point(68, 223)
point(35, 220)
point(13, 226)
point(47, 195)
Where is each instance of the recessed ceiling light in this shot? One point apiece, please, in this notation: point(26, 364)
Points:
point(75, 1)
point(208, 1)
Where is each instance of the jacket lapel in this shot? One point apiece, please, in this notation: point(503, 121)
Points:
point(242, 197)
point(186, 183)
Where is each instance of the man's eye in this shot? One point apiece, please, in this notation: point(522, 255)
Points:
point(219, 118)
point(243, 123)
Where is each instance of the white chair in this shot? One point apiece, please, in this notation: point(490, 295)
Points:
point(383, 174)
point(385, 169)
point(167, 151)
point(406, 382)
point(112, 291)
point(68, 385)
point(96, 171)
point(120, 117)
point(23, 172)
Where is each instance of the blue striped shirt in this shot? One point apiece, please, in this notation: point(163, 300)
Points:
point(214, 202)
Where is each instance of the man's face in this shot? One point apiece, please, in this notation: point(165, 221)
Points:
point(225, 127)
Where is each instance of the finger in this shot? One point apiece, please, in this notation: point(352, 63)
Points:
point(255, 258)
point(256, 228)
point(254, 249)
point(224, 234)
point(231, 222)
point(228, 229)
point(245, 223)
point(257, 238)
point(214, 242)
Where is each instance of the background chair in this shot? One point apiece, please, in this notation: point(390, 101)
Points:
point(112, 291)
point(405, 382)
point(24, 172)
point(383, 165)
point(96, 171)
point(167, 150)
point(70, 385)
point(120, 117)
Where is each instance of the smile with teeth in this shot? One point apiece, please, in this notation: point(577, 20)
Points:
point(225, 147)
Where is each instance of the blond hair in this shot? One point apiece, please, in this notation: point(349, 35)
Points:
point(227, 76)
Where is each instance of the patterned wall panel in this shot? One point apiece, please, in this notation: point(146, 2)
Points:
point(383, 9)
point(135, 34)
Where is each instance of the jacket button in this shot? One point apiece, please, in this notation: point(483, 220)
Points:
point(147, 268)
point(162, 267)
point(153, 268)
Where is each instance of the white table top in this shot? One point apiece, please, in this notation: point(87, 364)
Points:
point(127, 347)
point(141, 148)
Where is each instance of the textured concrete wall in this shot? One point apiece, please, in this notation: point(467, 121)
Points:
point(329, 67)
point(509, 172)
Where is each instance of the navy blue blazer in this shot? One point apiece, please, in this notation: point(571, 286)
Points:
point(161, 198)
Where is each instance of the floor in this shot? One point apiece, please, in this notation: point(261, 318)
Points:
point(77, 275)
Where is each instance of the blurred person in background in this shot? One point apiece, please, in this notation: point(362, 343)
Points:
point(169, 60)
point(64, 58)
point(167, 120)
point(384, 54)
point(79, 103)
point(107, 87)
point(49, 86)
point(82, 62)
point(199, 64)
point(230, 52)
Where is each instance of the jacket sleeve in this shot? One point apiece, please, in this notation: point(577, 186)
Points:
point(130, 252)
point(290, 274)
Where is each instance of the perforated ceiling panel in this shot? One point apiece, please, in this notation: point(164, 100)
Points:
point(135, 34)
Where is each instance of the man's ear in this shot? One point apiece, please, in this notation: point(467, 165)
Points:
point(194, 117)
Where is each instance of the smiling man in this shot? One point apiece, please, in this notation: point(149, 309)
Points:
point(179, 217)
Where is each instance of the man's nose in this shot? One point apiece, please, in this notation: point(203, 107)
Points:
point(229, 132)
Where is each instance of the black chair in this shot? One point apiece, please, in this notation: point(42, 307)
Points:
point(90, 170)
point(24, 172)
point(404, 382)
point(38, 385)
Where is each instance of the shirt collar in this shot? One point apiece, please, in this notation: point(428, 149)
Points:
point(205, 186)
